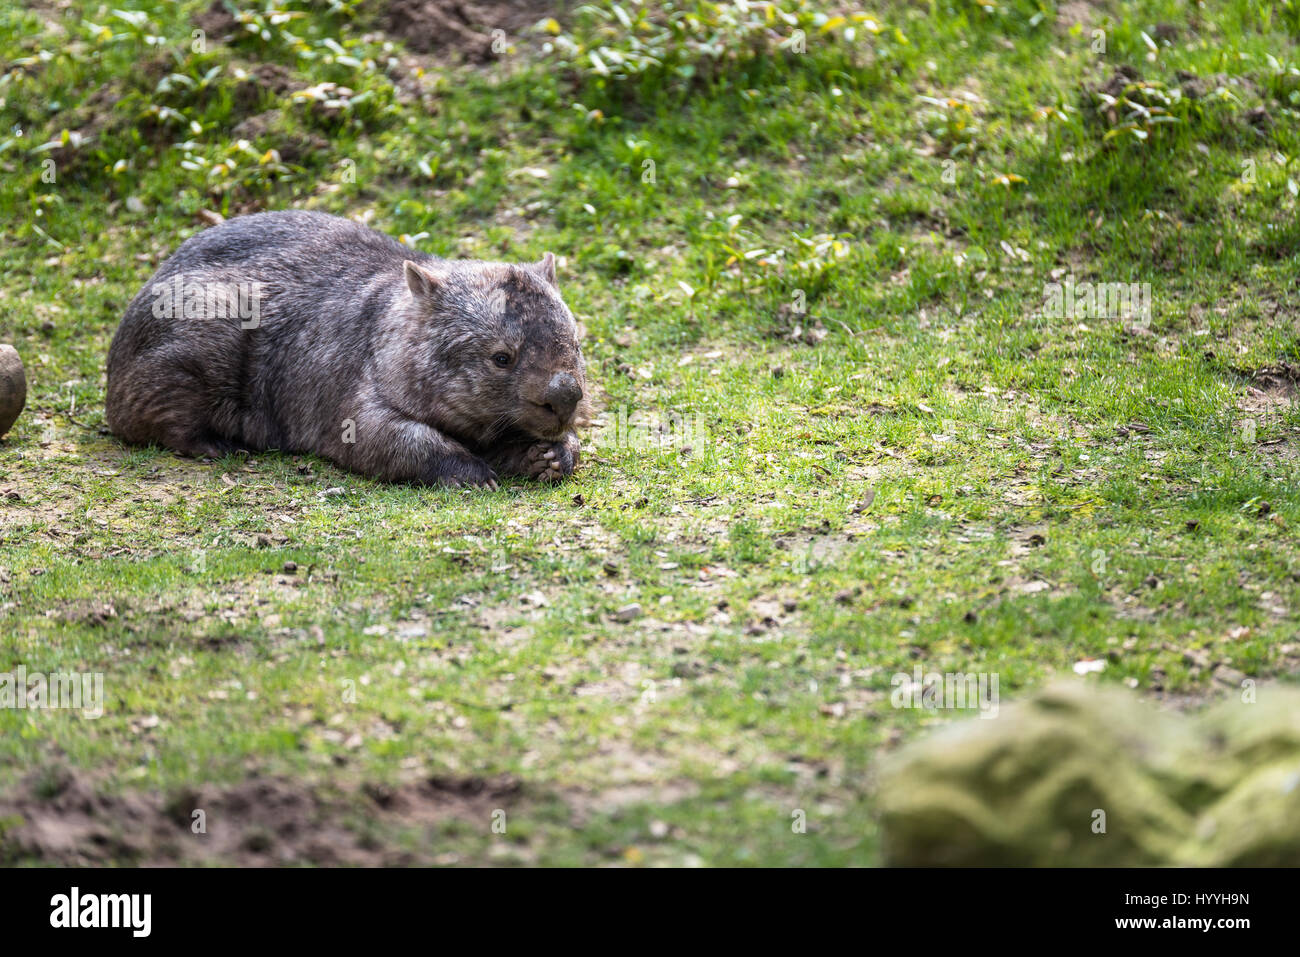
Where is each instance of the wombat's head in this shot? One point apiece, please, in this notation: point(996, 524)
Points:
point(504, 348)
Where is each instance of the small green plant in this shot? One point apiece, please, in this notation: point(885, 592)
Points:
point(953, 124)
point(687, 44)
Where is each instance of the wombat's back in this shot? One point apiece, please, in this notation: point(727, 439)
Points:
point(268, 243)
point(286, 314)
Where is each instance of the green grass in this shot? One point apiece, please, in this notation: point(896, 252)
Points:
point(834, 277)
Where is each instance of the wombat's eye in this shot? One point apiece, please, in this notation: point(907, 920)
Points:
point(502, 359)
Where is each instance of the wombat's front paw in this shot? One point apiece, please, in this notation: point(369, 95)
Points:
point(467, 471)
point(552, 461)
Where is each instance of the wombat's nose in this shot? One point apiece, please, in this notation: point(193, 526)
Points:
point(562, 395)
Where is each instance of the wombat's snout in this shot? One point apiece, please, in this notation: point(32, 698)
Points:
point(563, 395)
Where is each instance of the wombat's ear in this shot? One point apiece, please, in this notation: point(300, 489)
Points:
point(423, 282)
point(546, 268)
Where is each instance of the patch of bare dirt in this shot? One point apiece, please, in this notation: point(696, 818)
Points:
point(1272, 389)
point(1269, 394)
point(1078, 12)
point(268, 127)
point(479, 30)
point(217, 22)
point(86, 123)
point(59, 818)
point(52, 13)
point(84, 611)
point(261, 78)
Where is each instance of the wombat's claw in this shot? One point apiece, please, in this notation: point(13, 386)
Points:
point(550, 461)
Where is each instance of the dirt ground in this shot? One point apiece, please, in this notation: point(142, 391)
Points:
point(433, 26)
point(61, 819)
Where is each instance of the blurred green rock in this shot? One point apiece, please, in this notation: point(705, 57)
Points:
point(1087, 775)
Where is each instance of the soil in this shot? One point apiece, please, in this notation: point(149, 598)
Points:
point(60, 819)
point(216, 22)
point(448, 26)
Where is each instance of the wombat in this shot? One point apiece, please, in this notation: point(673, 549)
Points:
point(305, 332)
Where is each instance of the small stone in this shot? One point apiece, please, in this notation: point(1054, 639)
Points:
point(628, 613)
point(1230, 677)
point(13, 387)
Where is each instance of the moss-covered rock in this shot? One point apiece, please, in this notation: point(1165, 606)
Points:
point(1082, 775)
